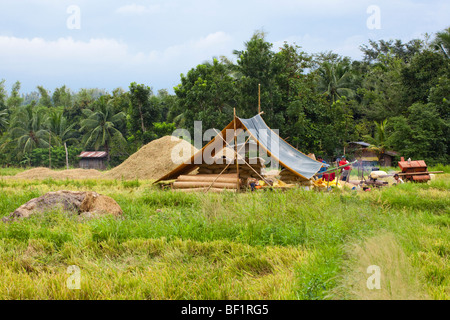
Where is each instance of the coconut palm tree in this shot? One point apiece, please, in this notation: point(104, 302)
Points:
point(335, 80)
point(28, 129)
point(100, 125)
point(3, 120)
point(379, 143)
point(442, 42)
point(60, 129)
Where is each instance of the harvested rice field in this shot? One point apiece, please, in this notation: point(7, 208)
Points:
point(269, 245)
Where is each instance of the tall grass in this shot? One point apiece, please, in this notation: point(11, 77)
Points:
point(263, 245)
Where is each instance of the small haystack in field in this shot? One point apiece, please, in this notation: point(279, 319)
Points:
point(87, 204)
point(45, 173)
point(153, 159)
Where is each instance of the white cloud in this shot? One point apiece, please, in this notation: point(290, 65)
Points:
point(214, 44)
point(100, 61)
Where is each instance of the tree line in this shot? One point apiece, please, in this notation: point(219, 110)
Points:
point(396, 97)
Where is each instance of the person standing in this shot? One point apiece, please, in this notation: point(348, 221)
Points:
point(323, 168)
point(346, 170)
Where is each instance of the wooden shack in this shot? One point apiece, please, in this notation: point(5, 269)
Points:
point(93, 160)
point(369, 158)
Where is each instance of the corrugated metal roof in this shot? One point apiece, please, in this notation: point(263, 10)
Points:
point(93, 154)
point(361, 143)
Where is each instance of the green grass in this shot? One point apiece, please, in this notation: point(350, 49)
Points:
point(294, 244)
point(11, 171)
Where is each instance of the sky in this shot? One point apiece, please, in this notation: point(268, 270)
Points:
point(109, 44)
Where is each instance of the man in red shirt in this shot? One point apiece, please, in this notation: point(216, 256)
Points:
point(346, 170)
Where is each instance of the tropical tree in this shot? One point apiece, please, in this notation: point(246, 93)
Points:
point(100, 125)
point(60, 129)
point(206, 94)
point(62, 97)
point(442, 42)
point(3, 120)
point(143, 112)
point(403, 51)
point(422, 74)
point(45, 99)
point(379, 143)
point(14, 100)
point(28, 129)
point(3, 95)
point(335, 79)
point(255, 74)
point(381, 91)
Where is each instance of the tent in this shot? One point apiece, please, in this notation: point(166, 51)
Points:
point(286, 155)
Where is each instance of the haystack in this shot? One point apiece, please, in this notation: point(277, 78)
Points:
point(152, 160)
point(82, 203)
point(45, 173)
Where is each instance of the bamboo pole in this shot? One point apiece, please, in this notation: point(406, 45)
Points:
point(216, 190)
point(50, 150)
point(206, 179)
point(235, 147)
point(337, 168)
point(227, 165)
point(417, 173)
point(199, 184)
point(259, 98)
point(247, 163)
point(67, 156)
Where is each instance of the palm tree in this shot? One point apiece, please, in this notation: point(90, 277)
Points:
point(28, 129)
point(335, 80)
point(60, 132)
point(379, 143)
point(442, 42)
point(3, 120)
point(100, 124)
point(60, 129)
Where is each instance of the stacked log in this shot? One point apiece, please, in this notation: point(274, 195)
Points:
point(245, 171)
point(291, 178)
point(203, 182)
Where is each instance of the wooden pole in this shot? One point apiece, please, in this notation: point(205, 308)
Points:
point(235, 147)
point(50, 150)
point(262, 178)
point(67, 156)
point(259, 98)
point(227, 166)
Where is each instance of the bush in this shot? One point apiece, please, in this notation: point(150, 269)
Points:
point(39, 157)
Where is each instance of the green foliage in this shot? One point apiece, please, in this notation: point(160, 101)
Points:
point(39, 157)
point(28, 129)
point(3, 95)
point(207, 94)
point(45, 99)
point(99, 126)
point(14, 100)
point(422, 135)
point(422, 74)
point(265, 241)
point(62, 97)
point(318, 102)
point(442, 42)
point(143, 111)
